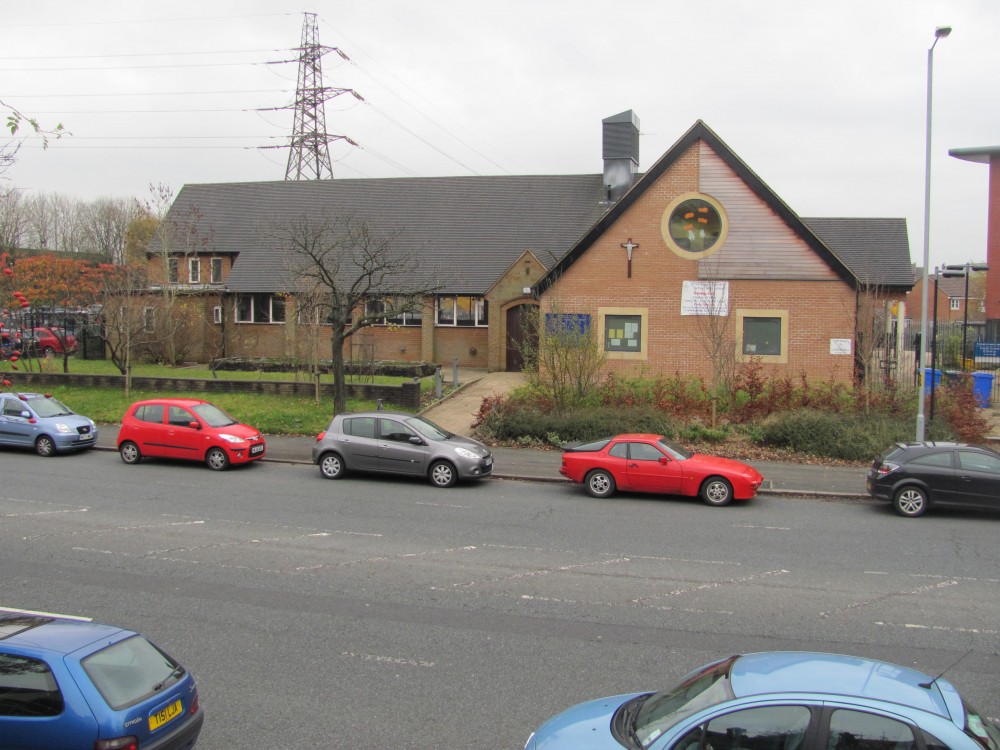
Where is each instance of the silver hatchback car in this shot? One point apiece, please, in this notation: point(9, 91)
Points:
point(399, 443)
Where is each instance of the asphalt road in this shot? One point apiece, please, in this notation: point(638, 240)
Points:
point(370, 613)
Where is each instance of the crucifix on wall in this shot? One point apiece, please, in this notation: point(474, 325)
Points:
point(629, 247)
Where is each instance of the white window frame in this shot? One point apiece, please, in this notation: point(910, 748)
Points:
point(149, 319)
point(213, 277)
point(404, 319)
point(194, 270)
point(479, 311)
point(217, 314)
point(955, 303)
point(255, 306)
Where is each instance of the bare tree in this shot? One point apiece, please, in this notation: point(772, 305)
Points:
point(562, 354)
point(353, 263)
point(127, 317)
point(106, 222)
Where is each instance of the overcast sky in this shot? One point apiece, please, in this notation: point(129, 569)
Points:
point(824, 99)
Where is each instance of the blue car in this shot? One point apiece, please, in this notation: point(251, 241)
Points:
point(71, 683)
point(38, 421)
point(780, 701)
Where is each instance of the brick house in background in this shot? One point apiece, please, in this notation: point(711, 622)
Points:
point(503, 246)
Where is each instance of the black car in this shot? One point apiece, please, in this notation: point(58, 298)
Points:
point(914, 476)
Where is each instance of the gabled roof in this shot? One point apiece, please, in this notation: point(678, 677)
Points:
point(876, 250)
point(467, 230)
point(843, 253)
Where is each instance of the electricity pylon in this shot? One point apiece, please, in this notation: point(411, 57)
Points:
point(309, 156)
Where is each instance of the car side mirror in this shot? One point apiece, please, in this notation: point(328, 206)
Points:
point(664, 459)
point(416, 440)
point(26, 414)
point(194, 425)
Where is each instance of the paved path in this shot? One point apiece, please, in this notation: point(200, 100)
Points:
point(458, 412)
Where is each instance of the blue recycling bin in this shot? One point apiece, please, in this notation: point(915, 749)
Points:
point(982, 388)
point(928, 378)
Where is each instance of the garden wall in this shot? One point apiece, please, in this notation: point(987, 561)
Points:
point(405, 395)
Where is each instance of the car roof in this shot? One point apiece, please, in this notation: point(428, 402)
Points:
point(52, 634)
point(638, 436)
point(171, 401)
point(839, 674)
point(378, 413)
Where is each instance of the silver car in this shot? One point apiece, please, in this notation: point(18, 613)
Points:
point(399, 443)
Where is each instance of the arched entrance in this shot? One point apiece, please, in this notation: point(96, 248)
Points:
point(522, 336)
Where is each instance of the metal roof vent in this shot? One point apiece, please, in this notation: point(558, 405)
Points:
point(621, 153)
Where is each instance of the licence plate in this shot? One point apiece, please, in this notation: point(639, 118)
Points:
point(488, 462)
point(87, 436)
point(255, 449)
point(163, 716)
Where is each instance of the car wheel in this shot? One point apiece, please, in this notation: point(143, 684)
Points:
point(717, 491)
point(217, 459)
point(331, 466)
point(442, 474)
point(129, 452)
point(910, 502)
point(48, 351)
point(600, 483)
point(44, 446)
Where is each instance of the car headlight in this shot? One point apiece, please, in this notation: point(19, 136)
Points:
point(63, 428)
point(466, 453)
point(231, 438)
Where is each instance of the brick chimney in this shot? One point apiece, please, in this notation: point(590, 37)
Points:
point(621, 153)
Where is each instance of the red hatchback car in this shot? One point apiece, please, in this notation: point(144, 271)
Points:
point(186, 428)
point(650, 463)
point(44, 342)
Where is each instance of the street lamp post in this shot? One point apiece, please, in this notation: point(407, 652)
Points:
point(940, 33)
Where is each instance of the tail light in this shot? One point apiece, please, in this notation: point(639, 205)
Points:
point(118, 743)
point(195, 704)
point(886, 468)
point(321, 436)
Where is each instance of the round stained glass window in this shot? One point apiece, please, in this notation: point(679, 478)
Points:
point(694, 226)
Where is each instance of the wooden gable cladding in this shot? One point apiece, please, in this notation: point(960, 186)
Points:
point(760, 245)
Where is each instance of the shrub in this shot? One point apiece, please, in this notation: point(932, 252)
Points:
point(511, 423)
point(850, 437)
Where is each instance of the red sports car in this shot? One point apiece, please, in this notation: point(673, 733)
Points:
point(651, 463)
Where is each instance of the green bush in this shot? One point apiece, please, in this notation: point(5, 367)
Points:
point(851, 437)
point(511, 424)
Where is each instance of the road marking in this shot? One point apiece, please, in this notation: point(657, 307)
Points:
point(383, 558)
point(16, 611)
point(754, 526)
point(529, 597)
point(889, 595)
point(443, 505)
point(941, 628)
point(712, 585)
point(388, 659)
point(548, 550)
point(43, 513)
point(932, 575)
point(277, 525)
point(533, 573)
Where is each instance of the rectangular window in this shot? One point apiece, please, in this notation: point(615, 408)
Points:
point(462, 311)
point(173, 275)
point(194, 270)
point(148, 319)
point(762, 336)
point(260, 308)
point(762, 333)
point(956, 303)
point(217, 314)
point(622, 333)
point(215, 271)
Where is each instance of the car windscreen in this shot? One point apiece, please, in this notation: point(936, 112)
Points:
point(49, 407)
point(428, 429)
point(131, 670)
point(213, 415)
point(673, 450)
point(594, 447)
point(702, 689)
